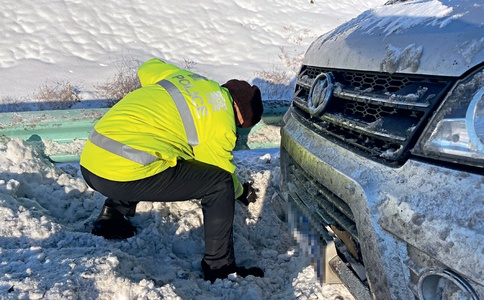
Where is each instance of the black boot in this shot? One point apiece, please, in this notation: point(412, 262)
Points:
point(254, 271)
point(111, 224)
point(224, 271)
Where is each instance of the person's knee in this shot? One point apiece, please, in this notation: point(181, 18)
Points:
point(227, 183)
point(221, 192)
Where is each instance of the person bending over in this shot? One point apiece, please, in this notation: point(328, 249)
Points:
point(172, 140)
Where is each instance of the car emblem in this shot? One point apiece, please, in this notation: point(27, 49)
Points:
point(320, 93)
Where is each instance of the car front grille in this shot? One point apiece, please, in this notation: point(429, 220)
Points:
point(379, 114)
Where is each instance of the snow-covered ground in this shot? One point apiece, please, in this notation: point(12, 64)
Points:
point(46, 210)
point(85, 42)
point(47, 252)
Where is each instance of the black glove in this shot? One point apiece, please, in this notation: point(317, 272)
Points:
point(249, 195)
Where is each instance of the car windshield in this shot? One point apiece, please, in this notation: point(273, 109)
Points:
point(390, 2)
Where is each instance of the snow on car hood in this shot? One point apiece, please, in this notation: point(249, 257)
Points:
point(444, 37)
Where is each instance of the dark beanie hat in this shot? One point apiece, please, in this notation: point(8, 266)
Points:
point(248, 99)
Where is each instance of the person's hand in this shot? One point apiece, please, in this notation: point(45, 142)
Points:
point(249, 194)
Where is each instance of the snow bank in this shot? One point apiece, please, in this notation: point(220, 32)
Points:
point(47, 251)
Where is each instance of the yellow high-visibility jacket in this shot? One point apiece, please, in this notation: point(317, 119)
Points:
point(176, 114)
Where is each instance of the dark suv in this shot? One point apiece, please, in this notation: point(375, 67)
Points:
point(382, 152)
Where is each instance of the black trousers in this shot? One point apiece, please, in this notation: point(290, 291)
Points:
point(185, 181)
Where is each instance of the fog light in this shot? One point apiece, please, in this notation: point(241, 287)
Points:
point(444, 284)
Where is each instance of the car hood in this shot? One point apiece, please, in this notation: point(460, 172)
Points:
point(444, 37)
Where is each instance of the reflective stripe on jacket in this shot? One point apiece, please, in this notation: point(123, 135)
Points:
point(176, 114)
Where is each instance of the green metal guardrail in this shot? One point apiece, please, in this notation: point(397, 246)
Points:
point(46, 129)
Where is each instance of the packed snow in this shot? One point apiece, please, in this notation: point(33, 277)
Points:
point(84, 42)
point(46, 209)
point(47, 251)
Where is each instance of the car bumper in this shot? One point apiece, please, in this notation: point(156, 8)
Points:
point(412, 224)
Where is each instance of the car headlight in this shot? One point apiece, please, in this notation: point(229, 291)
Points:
point(456, 132)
